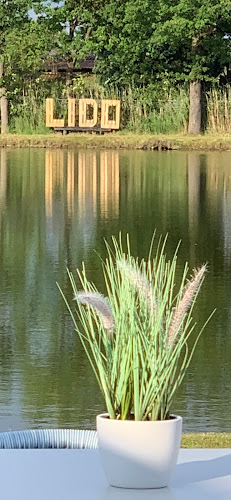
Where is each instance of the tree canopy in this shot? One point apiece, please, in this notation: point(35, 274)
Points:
point(136, 42)
point(182, 39)
point(154, 40)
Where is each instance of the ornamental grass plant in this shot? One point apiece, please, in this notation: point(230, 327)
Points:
point(136, 338)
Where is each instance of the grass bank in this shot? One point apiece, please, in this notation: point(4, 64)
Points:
point(206, 440)
point(120, 140)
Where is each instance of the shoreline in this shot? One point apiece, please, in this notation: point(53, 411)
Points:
point(206, 440)
point(120, 140)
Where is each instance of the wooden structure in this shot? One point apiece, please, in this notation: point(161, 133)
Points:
point(88, 118)
point(58, 66)
point(50, 120)
point(106, 122)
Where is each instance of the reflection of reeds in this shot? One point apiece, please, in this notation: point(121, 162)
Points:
point(189, 293)
point(101, 304)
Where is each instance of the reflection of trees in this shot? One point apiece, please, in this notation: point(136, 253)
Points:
point(209, 185)
point(193, 198)
point(55, 208)
point(153, 196)
point(3, 178)
point(219, 188)
point(64, 392)
point(47, 223)
point(6, 307)
point(20, 233)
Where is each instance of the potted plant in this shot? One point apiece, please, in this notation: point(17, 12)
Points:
point(136, 340)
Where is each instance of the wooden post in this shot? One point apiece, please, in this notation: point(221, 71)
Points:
point(71, 112)
point(83, 120)
point(49, 112)
point(105, 121)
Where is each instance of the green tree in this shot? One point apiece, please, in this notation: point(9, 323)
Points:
point(73, 20)
point(12, 13)
point(24, 44)
point(164, 40)
point(122, 32)
point(201, 29)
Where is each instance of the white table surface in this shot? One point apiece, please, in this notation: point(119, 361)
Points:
point(77, 474)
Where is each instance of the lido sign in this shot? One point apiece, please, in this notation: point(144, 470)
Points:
point(90, 114)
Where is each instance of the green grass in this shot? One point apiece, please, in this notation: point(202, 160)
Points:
point(121, 140)
point(206, 440)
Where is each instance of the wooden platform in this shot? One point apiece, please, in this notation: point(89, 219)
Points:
point(67, 130)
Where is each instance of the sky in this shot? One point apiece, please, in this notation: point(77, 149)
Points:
point(53, 4)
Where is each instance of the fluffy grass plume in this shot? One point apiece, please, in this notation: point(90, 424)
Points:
point(186, 301)
point(140, 282)
point(101, 304)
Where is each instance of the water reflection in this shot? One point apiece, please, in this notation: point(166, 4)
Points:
point(219, 182)
point(3, 178)
point(87, 176)
point(56, 207)
point(194, 180)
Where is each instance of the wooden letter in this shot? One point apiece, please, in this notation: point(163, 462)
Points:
point(83, 120)
point(49, 112)
point(50, 120)
point(105, 121)
point(71, 113)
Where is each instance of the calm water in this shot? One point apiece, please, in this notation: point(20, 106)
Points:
point(56, 207)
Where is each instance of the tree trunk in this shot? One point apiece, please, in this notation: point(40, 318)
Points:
point(194, 126)
point(4, 104)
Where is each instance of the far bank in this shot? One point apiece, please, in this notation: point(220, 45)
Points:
point(119, 140)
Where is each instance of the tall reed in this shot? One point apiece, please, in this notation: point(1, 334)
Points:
point(143, 109)
point(150, 109)
point(219, 110)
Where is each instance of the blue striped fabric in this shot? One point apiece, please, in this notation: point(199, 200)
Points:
point(49, 438)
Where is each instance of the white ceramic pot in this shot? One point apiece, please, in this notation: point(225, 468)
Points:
point(138, 454)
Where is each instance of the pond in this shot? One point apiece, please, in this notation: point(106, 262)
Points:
point(56, 208)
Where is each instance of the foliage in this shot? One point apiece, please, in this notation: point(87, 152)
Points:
point(199, 29)
point(137, 339)
point(27, 104)
point(150, 109)
point(177, 41)
point(13, 12)
point(14, 16)
point(145, 52)
point(72, 21)
point(155, 110)
point(27, 52)
point(25, 48)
